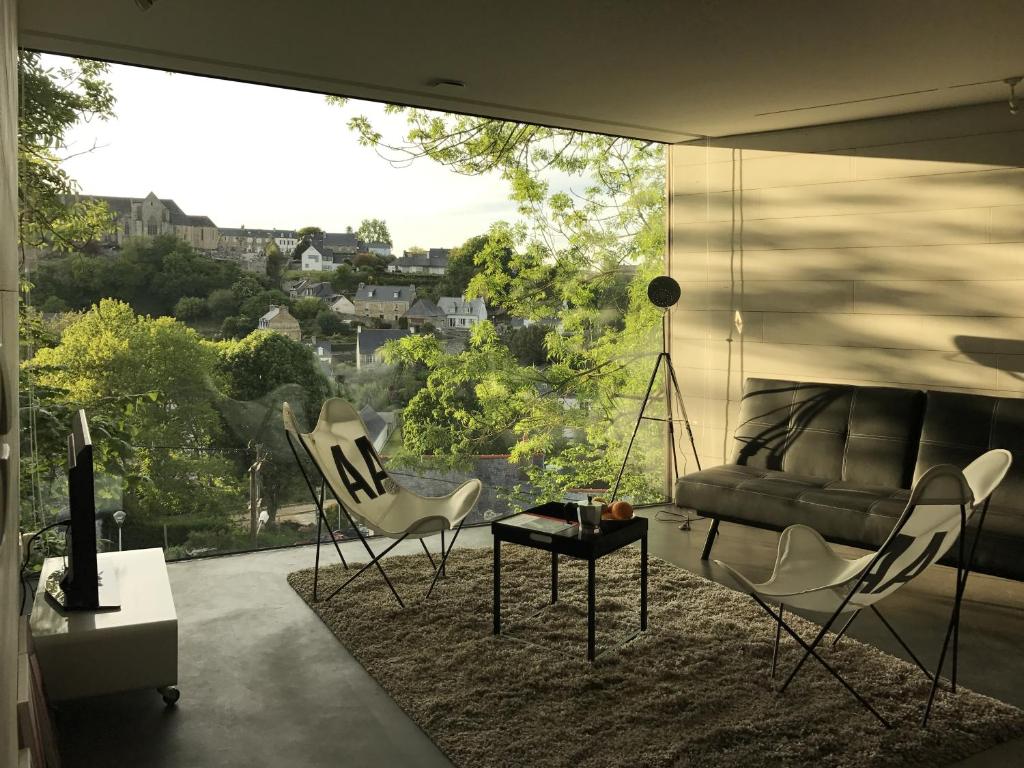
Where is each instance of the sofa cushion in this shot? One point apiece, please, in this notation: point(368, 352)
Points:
point(772, 499)
point(865, 435)
point(958, 428)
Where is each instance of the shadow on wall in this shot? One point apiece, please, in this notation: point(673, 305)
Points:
point(1011, 361)
point(907, 274)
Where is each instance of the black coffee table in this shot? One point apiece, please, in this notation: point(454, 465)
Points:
point(614, 535)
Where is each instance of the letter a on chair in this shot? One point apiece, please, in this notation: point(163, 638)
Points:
point(810, 576)
point(348, 465)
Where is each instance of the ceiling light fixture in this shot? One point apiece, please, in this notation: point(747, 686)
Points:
point(445, 82)
point(1012, 82)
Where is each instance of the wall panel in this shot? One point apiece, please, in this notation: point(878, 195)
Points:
point(886, 252)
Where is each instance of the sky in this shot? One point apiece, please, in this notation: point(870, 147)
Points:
point(267, 157)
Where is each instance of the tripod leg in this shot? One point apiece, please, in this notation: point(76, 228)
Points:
point(636, 427)
point(682, 408)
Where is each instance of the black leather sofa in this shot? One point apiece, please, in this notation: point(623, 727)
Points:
point(841, 459)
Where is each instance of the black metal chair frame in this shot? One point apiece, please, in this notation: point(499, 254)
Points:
point(318, 501)
point(963, 570)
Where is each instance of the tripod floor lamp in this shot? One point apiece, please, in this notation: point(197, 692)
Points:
point(663, 292)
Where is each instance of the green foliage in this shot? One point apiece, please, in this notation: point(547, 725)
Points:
point(579, 263)
point(307, 308)
point(222, 302)
point(527, 344)
point(374, 231)
point(265, 360)
point(462, 266)
point(150, 391)
point(52, 101)
point(111, 353)
point(190, 308)
point(262, 371)
point(276, 262)
point(328, 323)
point(369, 261)
point(151, 275)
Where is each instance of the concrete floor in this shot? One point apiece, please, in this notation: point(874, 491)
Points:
point(264, 683)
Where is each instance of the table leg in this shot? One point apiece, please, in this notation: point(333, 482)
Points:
point(643, 583)
point(590, 610)
point(554, 578)
point(497, 586)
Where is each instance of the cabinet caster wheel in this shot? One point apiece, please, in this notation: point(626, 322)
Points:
point(170, 695)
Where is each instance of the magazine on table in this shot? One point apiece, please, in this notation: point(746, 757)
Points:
point(550, 525)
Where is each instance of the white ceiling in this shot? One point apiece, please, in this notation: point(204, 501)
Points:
point(666, 70)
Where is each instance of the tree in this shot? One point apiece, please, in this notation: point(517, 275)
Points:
point(527, 344)
point(246, 287)
point(190, 308)
point(307, 308)
point(149, 387)
point(416, 250)
point(367, 261)
point(374, 231)
point(52, 101)
point(265, 360)
point(276, 262)
point(561, 265)
point(462, 266)
point(328, 322)
point(260, 372)
point(222, 302)
point(110, 352)
point(151, 275)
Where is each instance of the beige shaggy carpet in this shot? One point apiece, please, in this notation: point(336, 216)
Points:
point(691, 691)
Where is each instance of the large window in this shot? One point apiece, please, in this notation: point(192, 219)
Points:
point(183, 348)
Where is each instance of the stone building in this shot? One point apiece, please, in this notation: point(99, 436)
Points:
point(151, 216)
point(245, 240)
point(279, 319)
point(384, 302)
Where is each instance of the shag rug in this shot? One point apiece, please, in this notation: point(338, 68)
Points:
point(693, 690)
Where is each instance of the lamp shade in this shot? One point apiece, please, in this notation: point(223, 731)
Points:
point(663, 291)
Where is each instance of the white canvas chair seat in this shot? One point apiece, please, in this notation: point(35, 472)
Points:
point(350, 468)
point(809, 575)
point(358, 481)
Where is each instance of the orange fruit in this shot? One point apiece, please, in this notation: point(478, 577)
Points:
point(621, 510)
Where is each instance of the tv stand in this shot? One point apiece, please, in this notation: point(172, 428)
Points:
point(88, 653)
point(108, 592)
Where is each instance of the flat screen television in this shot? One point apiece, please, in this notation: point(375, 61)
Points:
point(80, 585)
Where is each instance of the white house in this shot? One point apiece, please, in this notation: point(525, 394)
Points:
point(380, 249)
point(460, 313)
point(286, 242)
point(314, 260)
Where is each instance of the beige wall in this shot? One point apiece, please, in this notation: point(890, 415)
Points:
point(9, 363)
point(887, 251)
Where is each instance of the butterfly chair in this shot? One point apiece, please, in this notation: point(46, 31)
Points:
point(810, 576)
point(350, 468)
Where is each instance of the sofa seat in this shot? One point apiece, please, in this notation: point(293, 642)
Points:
point(842, 512)
point(839, 510)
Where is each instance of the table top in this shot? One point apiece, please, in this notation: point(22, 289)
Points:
point(145, 594)
point(574, 542)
